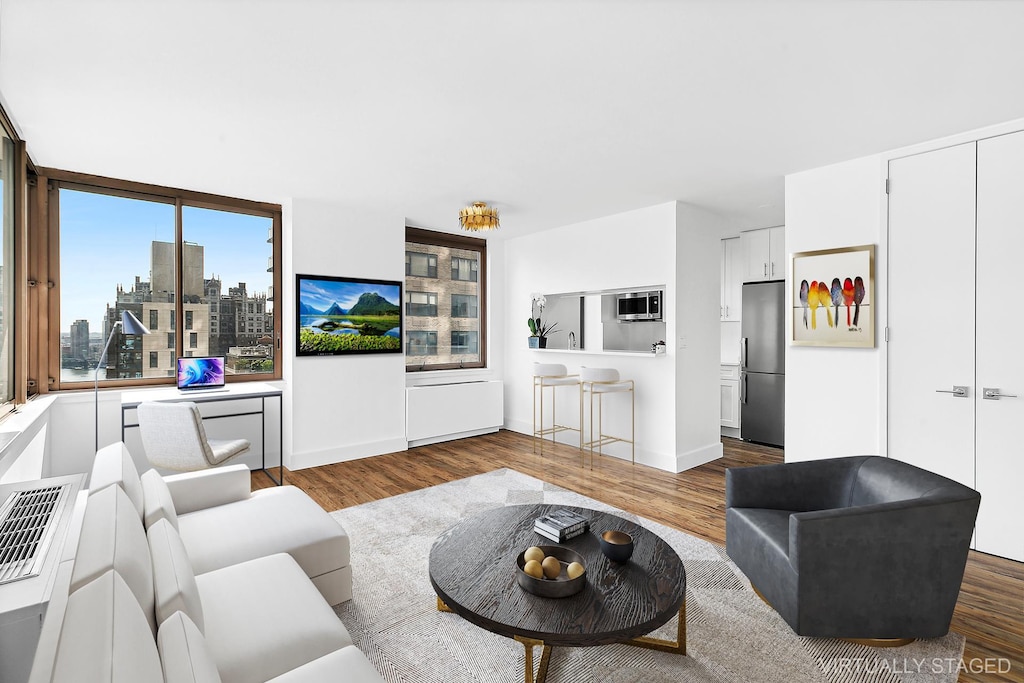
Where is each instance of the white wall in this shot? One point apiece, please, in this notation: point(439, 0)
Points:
point(697, 336)
point(340, 408)
point(635, 249)
point(837, 206)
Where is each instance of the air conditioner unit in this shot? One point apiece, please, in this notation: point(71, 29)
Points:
point(34, 520)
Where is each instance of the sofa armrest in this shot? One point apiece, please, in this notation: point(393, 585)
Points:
point(809, 485)
point(203, 489)
point(925, 532)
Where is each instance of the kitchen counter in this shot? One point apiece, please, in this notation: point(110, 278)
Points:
point(584, 352)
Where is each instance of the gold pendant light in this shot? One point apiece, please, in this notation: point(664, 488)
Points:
point(478, 217)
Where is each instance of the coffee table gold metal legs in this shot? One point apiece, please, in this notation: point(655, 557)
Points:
point(545, 658)
point(677, 647)
point(441, 607)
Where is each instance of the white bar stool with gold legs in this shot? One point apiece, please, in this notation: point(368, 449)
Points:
point(550, 376)
point(599, 382)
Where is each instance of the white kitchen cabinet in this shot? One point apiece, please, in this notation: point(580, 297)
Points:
point(733, 269)
point(764, 254)
point(730, 389)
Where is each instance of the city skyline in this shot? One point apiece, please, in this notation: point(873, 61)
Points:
point(92, 269)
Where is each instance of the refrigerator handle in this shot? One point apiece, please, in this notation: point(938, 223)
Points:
point(743, 353)
point(743, 388)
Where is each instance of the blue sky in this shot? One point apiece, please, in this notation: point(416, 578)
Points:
point(320, 294)
point(105, 241)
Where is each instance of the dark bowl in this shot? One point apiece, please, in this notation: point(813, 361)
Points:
point(617, 546)
point(560, 587)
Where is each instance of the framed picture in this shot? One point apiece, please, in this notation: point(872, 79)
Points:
point(343, 315)
point(833, 297)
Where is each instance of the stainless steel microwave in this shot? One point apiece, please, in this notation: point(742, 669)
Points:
point(637, 306)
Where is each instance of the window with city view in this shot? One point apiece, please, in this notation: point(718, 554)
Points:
point(444, 301)
point(119, 251)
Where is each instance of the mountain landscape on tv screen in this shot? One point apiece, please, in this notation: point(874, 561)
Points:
point(372, 323)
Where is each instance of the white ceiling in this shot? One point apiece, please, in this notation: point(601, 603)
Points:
point(554, 111)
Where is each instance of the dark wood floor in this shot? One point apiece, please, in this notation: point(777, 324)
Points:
point(990, 611)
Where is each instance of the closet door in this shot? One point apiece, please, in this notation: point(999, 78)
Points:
point(1000, 346)
point(931, 311)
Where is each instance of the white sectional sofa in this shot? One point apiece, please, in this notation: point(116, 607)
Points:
point(139, 608)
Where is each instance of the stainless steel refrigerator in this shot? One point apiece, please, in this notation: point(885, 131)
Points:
point(763, 363)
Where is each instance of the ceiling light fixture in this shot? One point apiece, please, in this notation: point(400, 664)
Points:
point(478, 217)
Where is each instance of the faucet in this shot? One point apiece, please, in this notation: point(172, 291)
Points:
point(572, 340)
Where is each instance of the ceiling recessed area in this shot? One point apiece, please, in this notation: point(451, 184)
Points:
point(555, 112)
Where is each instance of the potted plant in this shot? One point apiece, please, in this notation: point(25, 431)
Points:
point(539, 330)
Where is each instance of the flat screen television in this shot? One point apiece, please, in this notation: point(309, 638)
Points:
point(200, 373)
point(343, 315)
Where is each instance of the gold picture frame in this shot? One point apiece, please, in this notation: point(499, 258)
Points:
point(843, 283)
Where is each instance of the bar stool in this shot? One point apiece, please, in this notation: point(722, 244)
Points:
point(601, 381)
point(550, 376)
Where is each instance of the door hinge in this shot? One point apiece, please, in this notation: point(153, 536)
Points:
point(887, 186)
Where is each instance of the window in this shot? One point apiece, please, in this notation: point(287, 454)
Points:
point(461, 289)
point(154, 359)
point(463, 342)
point(421, 303)
point(421, 343)
point(463, 306)
point(171, 254)
point(420, 265)
point(7, 342)
point(464, 269)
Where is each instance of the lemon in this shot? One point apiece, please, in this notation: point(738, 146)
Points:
point(574, 569)
point(534, 569)
point(552, 567)
point(533, 553)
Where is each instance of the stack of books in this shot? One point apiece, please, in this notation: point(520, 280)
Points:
point(561, 525)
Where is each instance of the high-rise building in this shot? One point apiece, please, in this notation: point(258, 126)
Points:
point(80, 340)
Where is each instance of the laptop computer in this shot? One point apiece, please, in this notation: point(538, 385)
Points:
point(201, 374)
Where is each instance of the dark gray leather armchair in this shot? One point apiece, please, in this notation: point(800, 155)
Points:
point(857, 547)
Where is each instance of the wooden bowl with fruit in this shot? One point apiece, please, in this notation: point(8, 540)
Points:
point(551, 571)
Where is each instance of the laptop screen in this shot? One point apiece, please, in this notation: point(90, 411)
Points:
point(201, 373)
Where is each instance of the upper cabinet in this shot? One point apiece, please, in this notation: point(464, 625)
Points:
point(733, 272)
point(764, 254)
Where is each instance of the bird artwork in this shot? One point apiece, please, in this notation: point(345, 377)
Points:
point(837, 296)
point(803, 299)
point(824, 299)
point(848, 297)
point(812, 302)
point(858, 298)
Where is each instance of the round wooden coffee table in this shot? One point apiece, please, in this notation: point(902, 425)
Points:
point(473, 571)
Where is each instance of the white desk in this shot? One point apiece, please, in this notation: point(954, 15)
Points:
point(242, 401)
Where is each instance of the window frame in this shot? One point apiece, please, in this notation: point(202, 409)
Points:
point(45, 230)
point(433, 238)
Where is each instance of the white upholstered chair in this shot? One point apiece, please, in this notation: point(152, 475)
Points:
point(174, 438)
point(600, 382)
point(550, 376)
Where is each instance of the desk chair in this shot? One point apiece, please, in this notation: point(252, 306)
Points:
point(174, 438)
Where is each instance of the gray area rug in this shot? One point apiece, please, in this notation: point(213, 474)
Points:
point(732, 636)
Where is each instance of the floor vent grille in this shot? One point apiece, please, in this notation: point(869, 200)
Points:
point(27, 525)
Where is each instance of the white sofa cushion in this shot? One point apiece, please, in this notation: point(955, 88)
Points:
point(347, 664)
point(114, 465)
point(193, 491)
point(264, 617)
point(104, 637)
point(183, 652)
point(112, 537)
point(173, 581)
point(157, 503)
point(275, 520)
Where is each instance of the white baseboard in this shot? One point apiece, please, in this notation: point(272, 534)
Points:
point(329, 456)
point(452, 437)
point(699, 456)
